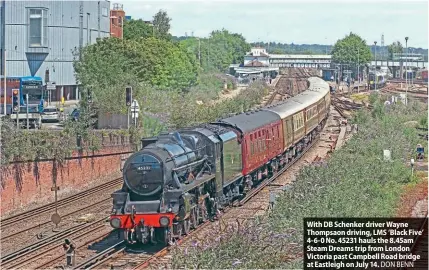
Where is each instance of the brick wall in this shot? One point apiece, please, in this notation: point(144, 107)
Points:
point(24, 183)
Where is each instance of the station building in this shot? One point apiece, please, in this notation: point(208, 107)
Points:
point(44, 36)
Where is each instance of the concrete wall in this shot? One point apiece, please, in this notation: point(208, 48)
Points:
point(25, 183)
point(113, 121)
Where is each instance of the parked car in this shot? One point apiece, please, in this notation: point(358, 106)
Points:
point(50, 114)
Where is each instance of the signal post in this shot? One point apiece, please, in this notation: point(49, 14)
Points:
point(16, 104)
point(128, 101)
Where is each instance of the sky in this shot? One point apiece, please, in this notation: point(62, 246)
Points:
point(298, 22)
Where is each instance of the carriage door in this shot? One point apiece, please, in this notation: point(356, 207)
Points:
point(289, 132)
point(218, 163)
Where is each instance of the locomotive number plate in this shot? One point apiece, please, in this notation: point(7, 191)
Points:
point(144, 168)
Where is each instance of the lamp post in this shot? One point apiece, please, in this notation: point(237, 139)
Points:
point(406, 70)
point(375, 70)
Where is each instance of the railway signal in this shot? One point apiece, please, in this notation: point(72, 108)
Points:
point(15, 100)
point(129, 95)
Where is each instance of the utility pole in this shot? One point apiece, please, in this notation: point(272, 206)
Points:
point(375, 70)
point(406, 70)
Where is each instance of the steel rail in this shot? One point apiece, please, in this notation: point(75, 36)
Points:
point(50, 206)
point(36, 256)
point(66, 215)
point(102, 256)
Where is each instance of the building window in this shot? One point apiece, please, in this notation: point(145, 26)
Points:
point(38, 20)
point(105, 12)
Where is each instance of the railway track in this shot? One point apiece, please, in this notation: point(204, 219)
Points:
point(414, 81)
point(85, 242)
point(12, 220)
point(343, 106)
point(293, 82)
point(39, 225)
point(53, 244)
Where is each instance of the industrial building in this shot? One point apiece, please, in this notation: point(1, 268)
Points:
point(43, 37)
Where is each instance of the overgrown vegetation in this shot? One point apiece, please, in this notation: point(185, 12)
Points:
point(368, 186)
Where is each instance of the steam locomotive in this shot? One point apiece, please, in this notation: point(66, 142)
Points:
point(180, 179)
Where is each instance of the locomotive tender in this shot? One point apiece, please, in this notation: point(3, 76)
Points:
point(181, 179)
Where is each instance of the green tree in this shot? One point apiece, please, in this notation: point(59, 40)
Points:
point(277, 51)
point(350, 50)
point(395, 47)
point(219, 51)
point(136, 29)
point(109, 65)
point(161, 24)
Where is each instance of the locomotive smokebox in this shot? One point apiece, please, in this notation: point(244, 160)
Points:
point(143, 173)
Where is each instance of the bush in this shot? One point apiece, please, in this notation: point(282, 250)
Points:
point(368, 186)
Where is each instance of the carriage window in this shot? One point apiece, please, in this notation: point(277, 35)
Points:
point(251, 137)
point(259, 134)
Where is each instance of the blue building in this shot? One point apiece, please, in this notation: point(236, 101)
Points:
point(41, 36)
